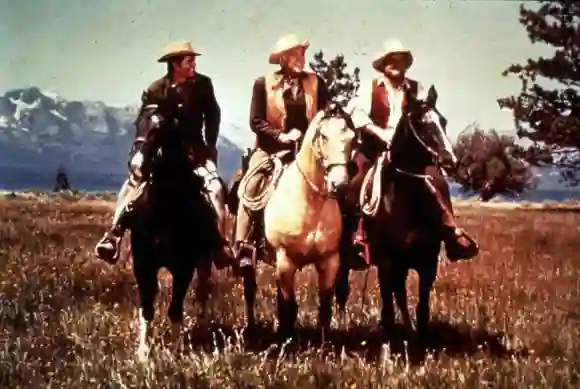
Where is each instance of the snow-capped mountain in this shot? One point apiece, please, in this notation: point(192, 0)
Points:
point(40, 132)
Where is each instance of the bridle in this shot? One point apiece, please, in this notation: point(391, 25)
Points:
point(435, 155)
point(318, 148)
point(155, 121)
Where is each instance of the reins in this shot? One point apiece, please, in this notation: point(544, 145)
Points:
point(370, 206)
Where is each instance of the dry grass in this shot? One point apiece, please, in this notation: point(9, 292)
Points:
point(511, 318)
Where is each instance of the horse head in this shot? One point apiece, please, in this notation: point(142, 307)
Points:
point(421, 136)
point(330, 135)
point(164, 153)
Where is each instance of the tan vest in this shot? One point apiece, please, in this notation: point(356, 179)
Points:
point(275, 110)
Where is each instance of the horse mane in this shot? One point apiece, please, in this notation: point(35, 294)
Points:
point(154, 125)
point(332, 110)
point(403, 135)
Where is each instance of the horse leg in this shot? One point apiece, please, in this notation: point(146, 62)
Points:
point(223, 256)
point(250, 289)
point(327, 272)
point(427, 275)
point(147, 285)
point(202, 291)
point(399, 277)
point(287, 305)
point(342, 291)
point(181, 281)
point(387, 322)
point(217, 197)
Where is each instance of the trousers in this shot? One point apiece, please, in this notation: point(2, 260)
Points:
point(130, 190)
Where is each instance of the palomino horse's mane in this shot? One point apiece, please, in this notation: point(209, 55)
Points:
point(333, 110)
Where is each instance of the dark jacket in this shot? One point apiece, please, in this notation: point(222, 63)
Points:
point(200, 109)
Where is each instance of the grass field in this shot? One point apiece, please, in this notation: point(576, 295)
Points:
point(510, 318)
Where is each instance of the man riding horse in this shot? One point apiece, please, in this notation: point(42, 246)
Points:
point(390, 91)
point(199, 108)
point(283, 104)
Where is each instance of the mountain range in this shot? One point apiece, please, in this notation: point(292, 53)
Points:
point(41, 131)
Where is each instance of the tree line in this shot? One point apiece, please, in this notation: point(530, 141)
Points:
point(546, 110)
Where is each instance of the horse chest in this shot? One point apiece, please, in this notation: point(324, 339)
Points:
point(309, 229)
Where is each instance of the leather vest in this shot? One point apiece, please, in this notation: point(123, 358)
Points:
point(275, 109)
point(380, 108)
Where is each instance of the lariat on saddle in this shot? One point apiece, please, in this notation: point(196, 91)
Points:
point(274, 167)
point(370, 202)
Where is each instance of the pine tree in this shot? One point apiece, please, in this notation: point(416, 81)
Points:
point(547, 110)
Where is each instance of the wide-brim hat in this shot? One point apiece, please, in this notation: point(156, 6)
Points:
point(284, 44)
point(177, 49)
point(391, 47)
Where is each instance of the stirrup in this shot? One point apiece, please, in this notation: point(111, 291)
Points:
point(110, 256)
point(243, 246)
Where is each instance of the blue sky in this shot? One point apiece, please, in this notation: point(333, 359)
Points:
point(107, 49)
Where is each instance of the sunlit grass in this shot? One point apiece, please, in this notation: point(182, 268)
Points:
point(510, 318)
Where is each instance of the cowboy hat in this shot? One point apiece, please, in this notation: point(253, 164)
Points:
point(390, 47)
point(284, 44)
point(177, 49)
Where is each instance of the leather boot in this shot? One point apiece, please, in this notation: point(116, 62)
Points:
point(244, 254)
point(108, 247)
point(458, 244)
point(223, 257)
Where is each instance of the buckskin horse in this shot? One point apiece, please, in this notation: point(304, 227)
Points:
point(302, 219)
point(172, 224)
point(402, 227)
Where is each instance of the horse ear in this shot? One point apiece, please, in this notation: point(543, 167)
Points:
point(351, 106)
point(432, 96)
point(318, 117)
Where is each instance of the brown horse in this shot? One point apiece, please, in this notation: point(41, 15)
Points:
point(302, 219)
point(403, 230)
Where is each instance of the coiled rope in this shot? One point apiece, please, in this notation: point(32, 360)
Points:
point(274, 167)
point(370, 206)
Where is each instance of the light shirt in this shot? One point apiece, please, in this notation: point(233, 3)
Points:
point(395, 97)
point(358, 116)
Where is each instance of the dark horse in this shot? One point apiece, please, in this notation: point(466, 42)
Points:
point(404, 233)
point(172, 224)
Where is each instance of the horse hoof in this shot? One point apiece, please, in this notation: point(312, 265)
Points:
point(341, 317)
point(286, 337)
point(175, 336)
point(325, 336)
point(142, 354)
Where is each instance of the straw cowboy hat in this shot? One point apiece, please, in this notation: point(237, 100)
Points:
point(177, 49)
point(287, 42)
point(390, 47)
